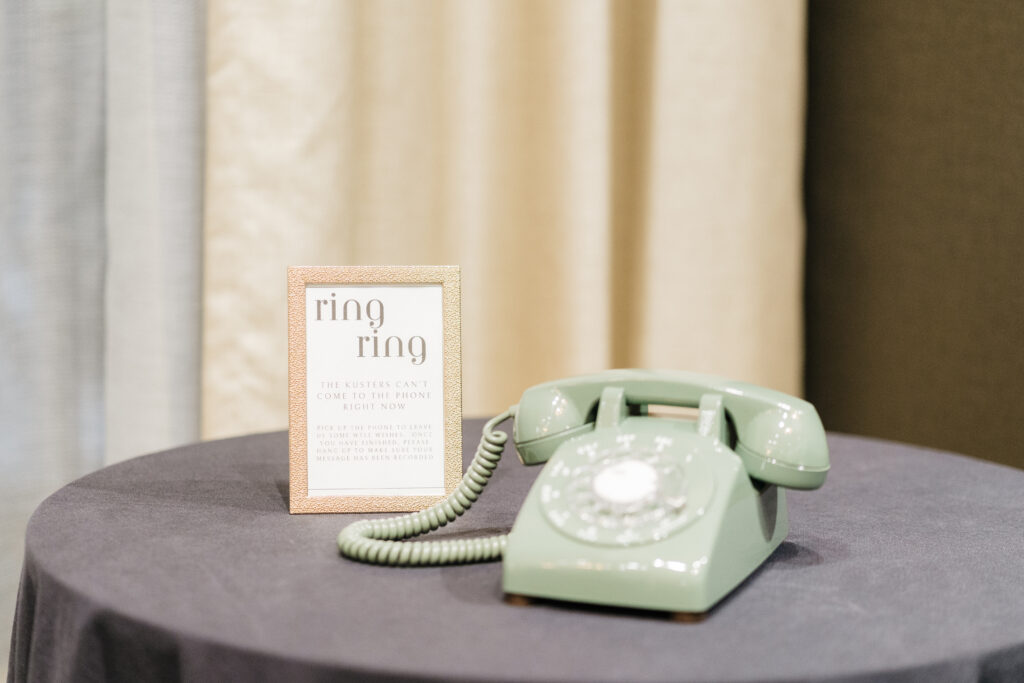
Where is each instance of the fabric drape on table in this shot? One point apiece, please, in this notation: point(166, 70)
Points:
point(620, 183)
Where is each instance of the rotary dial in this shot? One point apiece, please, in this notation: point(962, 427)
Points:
point(629, 495)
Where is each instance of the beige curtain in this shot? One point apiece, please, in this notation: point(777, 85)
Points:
point(619, 181)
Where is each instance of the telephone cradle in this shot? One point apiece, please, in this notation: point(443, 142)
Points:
point(631, 510)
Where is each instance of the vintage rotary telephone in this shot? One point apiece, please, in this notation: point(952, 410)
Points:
point(632, 510)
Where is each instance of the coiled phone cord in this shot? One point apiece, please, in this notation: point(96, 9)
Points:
point(380, 541)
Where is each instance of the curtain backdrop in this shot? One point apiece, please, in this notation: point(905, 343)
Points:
point(154, 145)
point(51, 262)
point(620, 183)
point(100, 223)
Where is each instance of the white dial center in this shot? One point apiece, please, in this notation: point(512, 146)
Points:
point(625, 482)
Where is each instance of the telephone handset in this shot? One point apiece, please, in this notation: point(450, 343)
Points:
point(632, 509)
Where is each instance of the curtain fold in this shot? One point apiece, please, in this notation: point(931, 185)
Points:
point(620, 183)
point(51, 261)
point(154, 142)
point(100, 225)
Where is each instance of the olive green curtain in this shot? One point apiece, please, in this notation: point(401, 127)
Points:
point(915, 164)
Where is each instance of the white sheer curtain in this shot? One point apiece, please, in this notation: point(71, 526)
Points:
point(155, 74)
point(100, 213)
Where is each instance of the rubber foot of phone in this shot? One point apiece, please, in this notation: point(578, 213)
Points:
point(687, 617)
point(517, 600)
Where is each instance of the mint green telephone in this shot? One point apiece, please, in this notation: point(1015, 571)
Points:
point(632, 510)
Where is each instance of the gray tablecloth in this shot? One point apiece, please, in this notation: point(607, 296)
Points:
point(186, 565)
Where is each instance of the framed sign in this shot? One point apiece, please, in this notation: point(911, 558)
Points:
point(374, 387)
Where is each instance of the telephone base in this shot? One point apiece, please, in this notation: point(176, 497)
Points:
point(727, 529)
point(645, 513)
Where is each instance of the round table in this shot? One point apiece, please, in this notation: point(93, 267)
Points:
point(906, 565)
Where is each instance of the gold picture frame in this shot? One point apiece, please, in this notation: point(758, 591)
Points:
point(301, 336)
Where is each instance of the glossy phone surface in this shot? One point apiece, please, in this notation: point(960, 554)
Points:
point(631, 509)
point(654, 512)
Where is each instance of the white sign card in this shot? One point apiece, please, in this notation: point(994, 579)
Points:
point(374, 387)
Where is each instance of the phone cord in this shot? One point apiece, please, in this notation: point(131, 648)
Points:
point(380, 541)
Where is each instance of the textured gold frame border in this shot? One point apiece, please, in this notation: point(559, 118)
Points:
point(299, 500)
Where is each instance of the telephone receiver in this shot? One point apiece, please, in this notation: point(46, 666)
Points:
point(779, 438)
point(632, 509)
